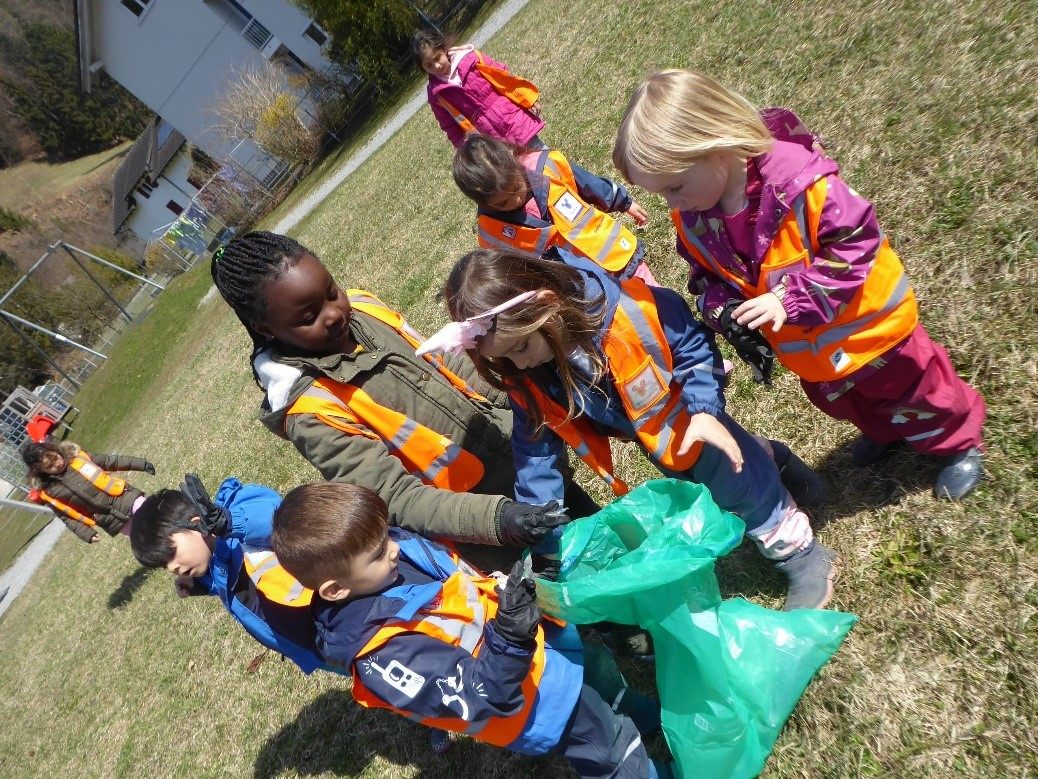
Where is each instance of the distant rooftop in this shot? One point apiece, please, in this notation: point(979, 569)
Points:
point(146, 159)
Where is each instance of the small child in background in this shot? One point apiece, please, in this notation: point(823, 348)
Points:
point(430, 638)
point(778, 243)
point(469, 92)
point(77, 485)
point(585, 358)
point(530, 201)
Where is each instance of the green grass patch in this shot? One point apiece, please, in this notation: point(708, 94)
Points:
point(29, 181)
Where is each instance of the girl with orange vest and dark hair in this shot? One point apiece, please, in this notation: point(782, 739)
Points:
point(471, 93)
point(77, 485)
point(530, 201)
point(780, 245)
point(341, 381)
point(585, 359)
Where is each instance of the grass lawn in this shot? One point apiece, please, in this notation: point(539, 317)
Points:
point(29, 181)
point(930, 109)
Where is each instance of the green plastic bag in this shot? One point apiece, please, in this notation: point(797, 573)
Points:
point(729, 672)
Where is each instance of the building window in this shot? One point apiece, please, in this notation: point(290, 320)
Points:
point(136, 6)
point(316, 34)
point(175, 207)
point(145, 188)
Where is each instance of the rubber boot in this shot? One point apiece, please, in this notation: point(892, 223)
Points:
point(960, 475)
point(865, 451)
point(811, 576)
point(803, 482)
point(441, 740)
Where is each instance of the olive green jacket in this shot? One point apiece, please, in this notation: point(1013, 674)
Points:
point(386, 368)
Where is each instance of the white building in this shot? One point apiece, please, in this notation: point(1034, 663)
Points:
point(175, 55)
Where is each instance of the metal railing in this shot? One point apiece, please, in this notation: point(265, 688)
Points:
point(256, 34)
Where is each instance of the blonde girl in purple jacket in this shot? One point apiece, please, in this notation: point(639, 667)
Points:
point(463, 100)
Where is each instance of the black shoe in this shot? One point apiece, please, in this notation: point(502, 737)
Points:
point(961, 473)
point(865, 451)
point(804, 483)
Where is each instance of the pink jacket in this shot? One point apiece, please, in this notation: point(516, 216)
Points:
point(490, 112)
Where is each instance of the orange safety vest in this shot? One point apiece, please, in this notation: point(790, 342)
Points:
point(879, 316)
point(274, 582)
point(575, 224)
point(59, 506)
point(457, 617)
point(430, 456)
point(517, 89)
point(641, 367)
point(97, 476)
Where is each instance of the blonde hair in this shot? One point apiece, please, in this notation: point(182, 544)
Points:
point(676, 117)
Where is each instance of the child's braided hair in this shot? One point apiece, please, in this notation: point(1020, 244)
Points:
point(242, 268)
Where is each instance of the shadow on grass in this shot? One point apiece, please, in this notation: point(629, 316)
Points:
point(132, 582)
point(335, 735)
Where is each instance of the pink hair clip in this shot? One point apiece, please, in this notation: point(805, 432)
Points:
point(456, 337)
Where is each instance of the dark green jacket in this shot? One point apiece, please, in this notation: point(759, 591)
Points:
point(386, 368)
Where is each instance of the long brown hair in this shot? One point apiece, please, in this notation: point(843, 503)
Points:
point(484, 279)
point(484, 167)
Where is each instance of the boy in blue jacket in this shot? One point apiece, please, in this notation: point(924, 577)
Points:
point(427, 636)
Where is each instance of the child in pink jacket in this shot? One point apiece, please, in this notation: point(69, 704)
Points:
point(464, 99)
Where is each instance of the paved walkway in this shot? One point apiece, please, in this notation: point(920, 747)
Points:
point(302, 209)
point(17, 576)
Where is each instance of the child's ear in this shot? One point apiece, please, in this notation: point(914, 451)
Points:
point(262, 329)
point(331, 590)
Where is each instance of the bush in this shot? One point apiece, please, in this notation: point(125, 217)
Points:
point(12, 221)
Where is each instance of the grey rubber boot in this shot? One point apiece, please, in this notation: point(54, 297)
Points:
point(960, 475)
point(811, 577)
point(865, 451)
point(804, 483)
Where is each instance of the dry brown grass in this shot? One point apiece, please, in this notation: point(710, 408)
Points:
point(930, 108)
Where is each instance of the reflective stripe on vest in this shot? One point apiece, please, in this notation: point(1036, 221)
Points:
point(101, 479)
point(63, 508)
point(881, 314)
point(575, 224)
point(430, 456)
point(641, 367)
point(457, 617)
point(459, 118)
point(274, 582)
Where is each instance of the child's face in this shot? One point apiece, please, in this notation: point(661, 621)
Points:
point(525, 351)
point(513, 196)
point(191, 554)
point(52, 463)
point(697, 188)
point(370, 572)
point(307, 310)
point(436, 62)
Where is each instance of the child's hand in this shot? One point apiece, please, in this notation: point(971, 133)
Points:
point(183, 585)
point(535, 109)
point(95, 538)
point(709, 430)
point(638, 214)
point(761, 310)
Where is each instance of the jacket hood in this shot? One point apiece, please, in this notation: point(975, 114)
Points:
point(787, 170)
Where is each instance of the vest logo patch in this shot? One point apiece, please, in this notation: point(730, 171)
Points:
point(568, 207)
point(508, 231)
point(625, 244)
point(643, 390)
point(840, 360)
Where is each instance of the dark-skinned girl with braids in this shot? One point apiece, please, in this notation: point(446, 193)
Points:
point(343, 384)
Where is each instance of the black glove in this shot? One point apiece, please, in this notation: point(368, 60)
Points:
point(750, 345)
point(149, 468)
point(523, 524)
point(517, 613)
point(547, 567)
point(215, 519)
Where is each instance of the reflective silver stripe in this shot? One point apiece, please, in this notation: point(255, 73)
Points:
point(468, 634)
point(924, 436)
point(270, 563)
point(403, 434)
point(799, 206)
point(578, 226)
point(497, 243)
point(583, 450)
point(694, 240)
point(610, 241)
point(450, 454)
point(637, 742)
point(666, 434)
point(366, 299)
point(549, 163)
point(294, 591)
point(645, 335)
point(837, 334)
